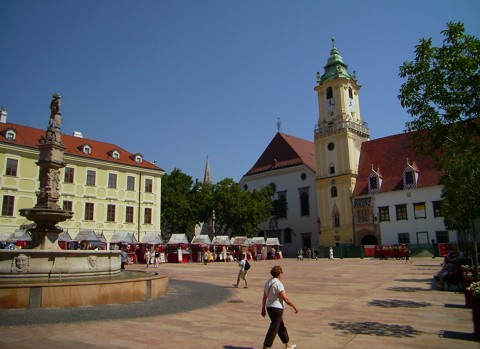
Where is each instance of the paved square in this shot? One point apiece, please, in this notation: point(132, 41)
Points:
point(345, 303)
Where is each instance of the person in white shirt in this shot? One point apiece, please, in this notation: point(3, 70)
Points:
point(272, 303)
point(242, 273)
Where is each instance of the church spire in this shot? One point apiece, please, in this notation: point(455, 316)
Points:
point(207, 178)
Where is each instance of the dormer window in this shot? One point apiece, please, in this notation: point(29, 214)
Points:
point(374, 181)
point(116, 154)
point(410, 176)
point(138, 159)
point(86, 149)
point(11, 135)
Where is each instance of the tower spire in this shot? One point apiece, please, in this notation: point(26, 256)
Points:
point(207, 178)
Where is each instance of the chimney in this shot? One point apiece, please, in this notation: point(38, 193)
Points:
point(3, 116)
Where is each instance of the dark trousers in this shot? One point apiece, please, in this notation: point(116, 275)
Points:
point(276, 326)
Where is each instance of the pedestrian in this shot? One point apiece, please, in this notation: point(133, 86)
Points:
point(407, 256)
point(274, 296)
point(123, 258)
point(309, 253)
point(331, 254)
point(147, 257)
point(157, 258)
point(242, 273)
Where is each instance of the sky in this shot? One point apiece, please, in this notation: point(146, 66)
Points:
point(178, 81)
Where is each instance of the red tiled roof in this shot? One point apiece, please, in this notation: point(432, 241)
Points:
point(388, 156)
point(285, 151)
point(29, 137)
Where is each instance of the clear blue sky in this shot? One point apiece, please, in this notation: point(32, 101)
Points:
point(180, 80)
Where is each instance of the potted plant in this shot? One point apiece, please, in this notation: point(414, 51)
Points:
point(467, 280)
point(474, 290)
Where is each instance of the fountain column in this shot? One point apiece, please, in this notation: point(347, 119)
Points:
point(47, 214)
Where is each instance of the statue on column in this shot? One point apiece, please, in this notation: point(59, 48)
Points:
point(55, 122)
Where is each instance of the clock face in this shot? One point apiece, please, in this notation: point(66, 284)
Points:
point(351, 104)
point(330, 106)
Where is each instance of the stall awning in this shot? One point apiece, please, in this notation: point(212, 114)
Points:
point(65, 236)
point(201, 240)
point(5, 236)
point(257, 241)
point(152, 238)
point(90, 235)
point(123, 237)
point(176, 239)
point(239, 241)
point(222, 240)
point(273, 242)
point(20, 235)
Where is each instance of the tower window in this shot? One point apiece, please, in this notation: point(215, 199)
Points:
point(350, 93)
point(333, 192)
point(329, 93)
point(331, 169)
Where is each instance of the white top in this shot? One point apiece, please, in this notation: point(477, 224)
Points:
point(272, 289)
point(242, 264)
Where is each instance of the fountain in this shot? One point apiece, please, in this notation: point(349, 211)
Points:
point(47, 276)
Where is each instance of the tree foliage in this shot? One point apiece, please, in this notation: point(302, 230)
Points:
point(442, 94)
point(186, 203)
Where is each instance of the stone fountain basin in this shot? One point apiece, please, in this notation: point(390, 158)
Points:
point(58, 263)
point(87, 288)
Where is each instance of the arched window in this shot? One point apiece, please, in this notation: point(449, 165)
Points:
point(333, 192)
point(282, 198)
point(329, 93)
point(304, 204)
point(336, 219)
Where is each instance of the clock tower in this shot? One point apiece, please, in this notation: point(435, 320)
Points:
point(339, 134)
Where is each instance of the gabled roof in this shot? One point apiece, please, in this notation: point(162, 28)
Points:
point(90, 235)
point(273, 242)
point(29, 137)
point(257, 241)
point(123, 236)
point(152, 238)
point(176, 239)
point(221, 240)
point(64, 236)
point(201, 240)
point(239, 240)
point(389, 156)
point(285, 151)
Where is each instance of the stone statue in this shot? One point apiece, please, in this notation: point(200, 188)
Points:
point(55, 114)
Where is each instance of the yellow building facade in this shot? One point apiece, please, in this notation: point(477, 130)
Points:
point(339, 135)
point(108, 188)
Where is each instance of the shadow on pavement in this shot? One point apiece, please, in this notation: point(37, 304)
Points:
point(398, 303)
point(375, 329)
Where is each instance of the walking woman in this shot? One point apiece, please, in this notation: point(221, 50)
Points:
point(273, 298)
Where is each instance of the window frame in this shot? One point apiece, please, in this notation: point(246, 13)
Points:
point(11, 168)
point(401, 212)
point(384, 213)
point(112, 180)
point(147, 218)
point(69, 175)
point(129, 214)
point(419, 205)
point(131, 183)
point(148, 185)
point(91, 178)
point(89, 211)
point(67, 205)
point(111, 209)
point(8, 205)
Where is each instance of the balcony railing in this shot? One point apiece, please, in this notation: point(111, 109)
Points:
point(360, 129)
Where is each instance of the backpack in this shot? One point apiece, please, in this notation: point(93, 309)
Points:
point(247, 265)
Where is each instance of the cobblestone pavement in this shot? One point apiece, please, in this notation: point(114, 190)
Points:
point(348, 303)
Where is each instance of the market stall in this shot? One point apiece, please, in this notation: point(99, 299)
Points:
point(257, 248)
point(127, 240)
point(198, 246)
point(91, 240)
point(240, 245)
point(21, 238)
point(4, 244)
point(178, 249)
point(223, 245)
point(66, 242)
point(274, 248)
point(153, 242)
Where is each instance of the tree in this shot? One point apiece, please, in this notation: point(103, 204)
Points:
point(179, 199)
point(442, 94)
